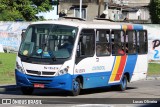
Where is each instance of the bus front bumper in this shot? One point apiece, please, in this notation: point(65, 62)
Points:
point(63, 82)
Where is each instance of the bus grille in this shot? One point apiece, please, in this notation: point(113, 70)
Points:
point(40, 73)
point(39, 80)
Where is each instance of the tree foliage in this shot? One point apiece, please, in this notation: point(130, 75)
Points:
point(11, 10)
point(154, 9)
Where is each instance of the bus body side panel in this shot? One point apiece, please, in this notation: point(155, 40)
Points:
point(130, 65)
point(123, 64)
point(140, 71)
point(95, 71)
point(141, 67)
point(118, 69)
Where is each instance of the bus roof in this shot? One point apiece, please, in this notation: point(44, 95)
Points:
point(91, 24)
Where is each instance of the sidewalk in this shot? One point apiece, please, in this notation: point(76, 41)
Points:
point(13, 87)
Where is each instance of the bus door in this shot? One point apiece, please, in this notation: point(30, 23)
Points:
point(85, 57)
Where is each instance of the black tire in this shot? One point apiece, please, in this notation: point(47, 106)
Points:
point(76, 87)
point(123, 85)
point(27, 90)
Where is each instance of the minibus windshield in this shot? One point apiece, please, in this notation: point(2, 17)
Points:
point(48, 41)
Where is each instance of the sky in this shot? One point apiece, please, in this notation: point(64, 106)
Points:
point(52, 14)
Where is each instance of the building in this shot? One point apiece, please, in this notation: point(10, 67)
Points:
point(133, 10)
point(71, 8)
point(117, 10)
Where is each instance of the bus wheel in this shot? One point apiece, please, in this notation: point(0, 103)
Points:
point(76, 87)
point(123, 84)
point(27, 90)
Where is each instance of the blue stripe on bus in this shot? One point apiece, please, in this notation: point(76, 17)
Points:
point(137, 27)
point(92, 80)
point(130, 64)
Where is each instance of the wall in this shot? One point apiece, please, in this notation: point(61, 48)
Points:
point(153, 42)
point(10, 37)
point(10, 34)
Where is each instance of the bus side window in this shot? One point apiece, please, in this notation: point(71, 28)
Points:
point(131, 42)
point(86, 45)
point(142, 42)
point(118, 42)
point(103, 42)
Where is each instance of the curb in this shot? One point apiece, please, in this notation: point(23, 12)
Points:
point(153, 78)
point(7, 88)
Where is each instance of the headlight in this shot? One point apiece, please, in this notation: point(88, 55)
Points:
point(63, 71)
point(19, 68)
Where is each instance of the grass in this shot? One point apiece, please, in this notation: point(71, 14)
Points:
point(8, 60)
point(153, 69)
point(7, 65)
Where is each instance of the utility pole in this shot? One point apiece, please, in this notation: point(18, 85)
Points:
point(80, 9)
point(99, 7)
point(57, 6)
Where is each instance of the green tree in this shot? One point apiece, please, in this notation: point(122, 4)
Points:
point(12, 10)
point(154, 8)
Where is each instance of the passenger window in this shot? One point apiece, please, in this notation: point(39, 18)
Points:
point(103, 43)
point(131, 42)
point(142, 42)
point(118, 43)
point(86, 45)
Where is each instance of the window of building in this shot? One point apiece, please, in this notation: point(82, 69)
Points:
point(86, 45)
point(103, 42)
point(131, 42)
point(118, 37)
point(142, 42)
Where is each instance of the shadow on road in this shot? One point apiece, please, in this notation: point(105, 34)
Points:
point(13, 90)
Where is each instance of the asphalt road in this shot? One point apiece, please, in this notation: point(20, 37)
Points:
point(143, 92)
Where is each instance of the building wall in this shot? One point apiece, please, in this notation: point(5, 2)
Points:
point(134, 3)
point(145, 14)
point(132, 16)
point(114, 14)
point(91, 9)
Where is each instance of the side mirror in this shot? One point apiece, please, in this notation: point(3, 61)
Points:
point(23, 33)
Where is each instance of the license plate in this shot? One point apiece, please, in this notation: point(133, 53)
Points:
point(38, 85)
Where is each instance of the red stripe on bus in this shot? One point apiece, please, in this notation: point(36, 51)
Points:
point(130, 27)
point(121, 68)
